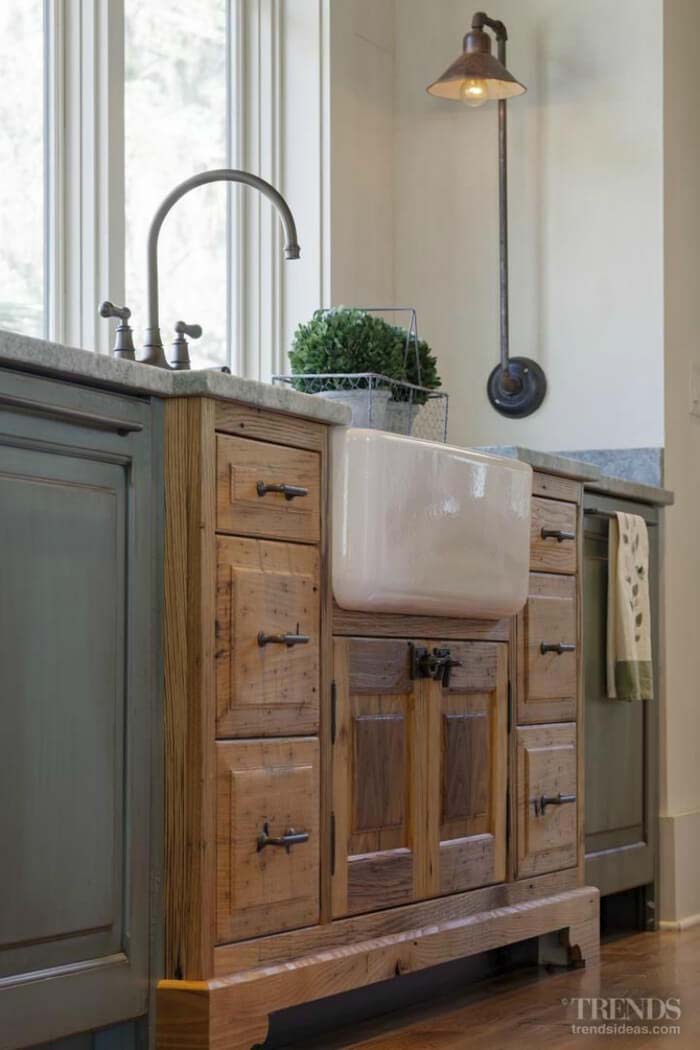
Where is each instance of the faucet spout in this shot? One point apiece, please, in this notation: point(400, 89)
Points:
point(153, 344)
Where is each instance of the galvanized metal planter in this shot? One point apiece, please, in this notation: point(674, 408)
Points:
point(380, 403)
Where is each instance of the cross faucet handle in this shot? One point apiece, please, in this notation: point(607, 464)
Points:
point(108, 309)
point(194, 331)
point(123, 337)
point(180, 360)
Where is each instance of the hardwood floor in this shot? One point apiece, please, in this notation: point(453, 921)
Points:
point(526, 1009)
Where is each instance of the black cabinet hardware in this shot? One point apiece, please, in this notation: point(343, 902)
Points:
point(557, 534)
point(543, 801)
point(436, 664)
point(288, 491)
point(557, 647)
point(290, 639)
point(286, 841)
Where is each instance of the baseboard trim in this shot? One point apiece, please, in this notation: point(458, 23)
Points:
point(680, 924)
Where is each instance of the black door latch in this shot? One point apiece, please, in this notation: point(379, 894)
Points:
point(436, 664)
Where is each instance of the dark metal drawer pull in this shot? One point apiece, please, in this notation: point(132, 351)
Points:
point(557, 534)
point(543, 801)
point(288, 491)
point(289, 639)
point(289, 839)
point(558, 648)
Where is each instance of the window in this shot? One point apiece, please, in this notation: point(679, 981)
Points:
point(104, 108)
point(22, 164)
point(175, 117)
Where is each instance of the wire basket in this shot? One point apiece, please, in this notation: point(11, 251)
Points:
point(380, 403)
point(377, 401)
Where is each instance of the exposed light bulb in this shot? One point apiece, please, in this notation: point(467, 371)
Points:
point(474, 91)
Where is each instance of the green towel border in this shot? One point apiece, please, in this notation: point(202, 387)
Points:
point(634, 680)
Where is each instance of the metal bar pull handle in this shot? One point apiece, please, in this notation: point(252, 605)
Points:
point(289, 639)
point(557, 647)
point(543, 801)
point(288, 491)
point(289, 839)
point(557, 534)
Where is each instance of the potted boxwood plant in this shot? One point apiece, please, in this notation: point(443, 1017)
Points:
point(421, 371)
point(347, 341)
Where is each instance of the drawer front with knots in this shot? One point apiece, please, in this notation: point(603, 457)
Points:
point(548, 650)
point(267, 490)
point(267, 638)
point(546, 798)
point(267, 836)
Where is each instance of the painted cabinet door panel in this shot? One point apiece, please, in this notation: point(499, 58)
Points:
point(621, 738)
point(271, 589)
point(419, 773)
point(76, 596)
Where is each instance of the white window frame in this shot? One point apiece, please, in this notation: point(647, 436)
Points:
point(277, 52)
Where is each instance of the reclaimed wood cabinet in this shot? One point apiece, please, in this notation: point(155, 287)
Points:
point(419, 772)
point(349, 796)
point(80, 742)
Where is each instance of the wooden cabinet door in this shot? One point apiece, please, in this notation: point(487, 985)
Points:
point(266, 590)
point(546, 800)
point(81, 700)
point(266, 789)
point(468, 797)
point(377, 779)
point(419, 773)
point(547, 640)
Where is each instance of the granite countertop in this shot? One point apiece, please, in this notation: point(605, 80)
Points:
point(594, 480)
point(66, 362)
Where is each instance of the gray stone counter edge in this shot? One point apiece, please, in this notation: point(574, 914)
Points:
point(40, 356)
point(552, 464)
point(632, 490)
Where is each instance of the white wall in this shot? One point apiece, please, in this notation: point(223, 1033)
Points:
point(415, 206)
point(361, 79)
point(680, 750)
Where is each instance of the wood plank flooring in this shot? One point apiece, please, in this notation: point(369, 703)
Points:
point(526, 1009)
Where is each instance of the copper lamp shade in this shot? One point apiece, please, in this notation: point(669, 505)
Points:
point(476, 64)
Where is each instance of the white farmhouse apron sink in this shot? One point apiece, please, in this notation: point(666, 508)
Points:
point(425, 528)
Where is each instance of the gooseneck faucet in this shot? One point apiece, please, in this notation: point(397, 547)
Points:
point(154, 353)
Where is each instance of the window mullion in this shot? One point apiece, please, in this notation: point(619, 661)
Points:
point(86, 166)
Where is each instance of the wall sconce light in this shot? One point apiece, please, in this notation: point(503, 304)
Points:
point(517, 385)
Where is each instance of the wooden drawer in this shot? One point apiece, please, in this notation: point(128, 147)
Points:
point(553, 553)
point(546, 769)
point(547, 674)
point(267, 591)
point(245, 507)
point(266, 787)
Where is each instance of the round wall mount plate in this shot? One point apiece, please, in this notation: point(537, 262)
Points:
point(531, 387)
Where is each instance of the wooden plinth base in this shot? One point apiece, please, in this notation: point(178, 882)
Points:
point(230, 1013)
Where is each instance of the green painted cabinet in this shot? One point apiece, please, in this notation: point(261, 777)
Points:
point(621, 738)
point(80, 696)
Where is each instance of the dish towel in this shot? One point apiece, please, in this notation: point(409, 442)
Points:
point(630, 674)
